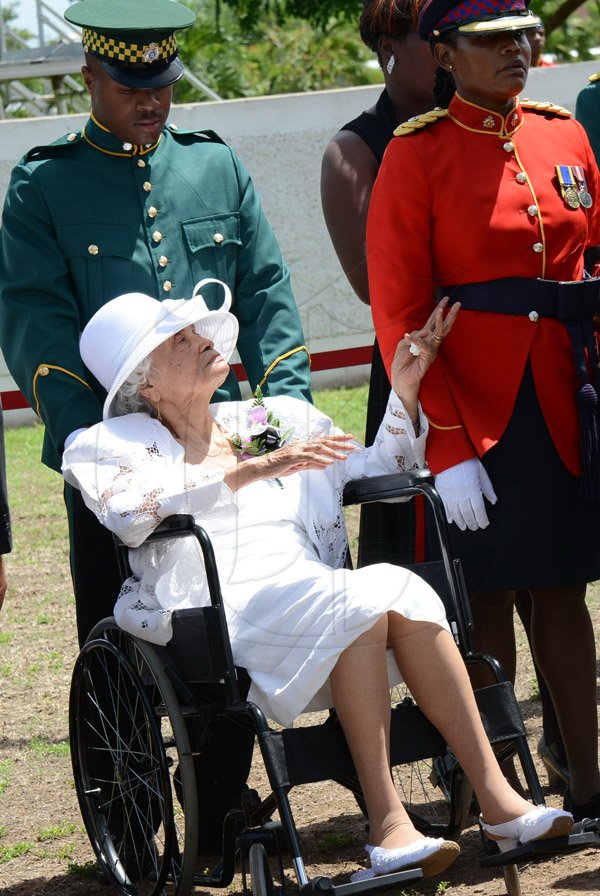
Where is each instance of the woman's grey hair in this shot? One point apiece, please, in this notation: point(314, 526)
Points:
point(128, 399)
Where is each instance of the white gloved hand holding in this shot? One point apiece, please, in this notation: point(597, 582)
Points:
point(462, 489)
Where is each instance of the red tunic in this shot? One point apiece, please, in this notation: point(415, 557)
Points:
point(470, 198)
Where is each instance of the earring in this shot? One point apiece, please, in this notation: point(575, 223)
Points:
point(391, 63)
point(450, 67)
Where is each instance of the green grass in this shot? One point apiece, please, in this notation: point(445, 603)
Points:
point(85, 869)
point(8, 853)
point(42, 747)
point(332, 842)
point(5, 770)
point(57, 831)
point(346, 407)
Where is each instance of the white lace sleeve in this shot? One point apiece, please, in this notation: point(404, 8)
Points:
point(396, 448)
point(132, 475)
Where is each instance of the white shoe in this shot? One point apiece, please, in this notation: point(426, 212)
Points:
point(431, 855)
point(541, 823)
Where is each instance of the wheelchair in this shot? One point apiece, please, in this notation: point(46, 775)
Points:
point(140, 714)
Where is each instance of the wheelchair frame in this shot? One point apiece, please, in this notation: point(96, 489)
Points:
point(134, 705)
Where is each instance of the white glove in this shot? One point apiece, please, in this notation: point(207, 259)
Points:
point(462, 489)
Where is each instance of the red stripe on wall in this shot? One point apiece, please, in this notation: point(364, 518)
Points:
point(333, 360)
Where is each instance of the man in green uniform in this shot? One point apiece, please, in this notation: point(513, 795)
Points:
point(587, 111)
point(130, 204)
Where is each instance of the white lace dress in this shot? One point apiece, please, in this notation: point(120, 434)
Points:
point(280, 546)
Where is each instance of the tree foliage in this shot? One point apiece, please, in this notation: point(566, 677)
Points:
point(316, 12)
point(572, 27)
point(271, 55)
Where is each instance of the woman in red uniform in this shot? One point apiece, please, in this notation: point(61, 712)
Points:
point(495, 201)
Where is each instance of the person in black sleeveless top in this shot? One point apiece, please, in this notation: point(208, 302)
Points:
point(350, 165)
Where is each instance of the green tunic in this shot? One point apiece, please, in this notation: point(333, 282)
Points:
point(587, 111)
point(89, 218)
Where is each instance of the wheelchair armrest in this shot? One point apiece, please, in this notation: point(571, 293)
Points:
point(390, 485)
point(175, 526)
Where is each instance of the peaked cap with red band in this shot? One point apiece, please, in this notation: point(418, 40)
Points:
point(438, 17)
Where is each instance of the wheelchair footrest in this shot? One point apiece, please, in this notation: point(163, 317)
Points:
point(542, 849)
point(377, 884)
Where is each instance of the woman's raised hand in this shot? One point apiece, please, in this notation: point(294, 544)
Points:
point(416, 352)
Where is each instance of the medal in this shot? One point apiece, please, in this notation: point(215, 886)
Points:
point(571, 197)
point(566, 180)
point(584, 195)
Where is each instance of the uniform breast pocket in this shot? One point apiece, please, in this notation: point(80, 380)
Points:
point(212, 244)
point(99, 257)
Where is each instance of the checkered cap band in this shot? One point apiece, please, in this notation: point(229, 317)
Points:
point(123, 52)
point(473, 10)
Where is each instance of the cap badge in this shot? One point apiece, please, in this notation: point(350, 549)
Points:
point(151, 53)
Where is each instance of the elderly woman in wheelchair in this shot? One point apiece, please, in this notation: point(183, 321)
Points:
point(265, 478)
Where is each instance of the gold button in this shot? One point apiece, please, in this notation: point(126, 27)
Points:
point(533, 316)
point(218, 238)
point(167, 286)
point(71, 137)
point(152, 212)
point(163, 261)
point(140, 163)
point(508, 146)
point(147, 186)
point(157, 236)
point(93, 250)
point(43, 370)
point(532, 210)
point(537, 247)
point(521, 177)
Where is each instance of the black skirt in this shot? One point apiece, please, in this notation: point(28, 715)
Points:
point(541, 533)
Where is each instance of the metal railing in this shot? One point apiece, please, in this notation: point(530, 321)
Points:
point(54, 40)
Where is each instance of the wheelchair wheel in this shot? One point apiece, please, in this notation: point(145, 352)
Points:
point(261, 878)
point(120, 771)
point(168, 716)
point(436, 793)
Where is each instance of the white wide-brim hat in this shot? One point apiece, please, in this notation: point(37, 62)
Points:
point(127, 329)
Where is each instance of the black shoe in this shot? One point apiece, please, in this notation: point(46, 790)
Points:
point(554, 762)
point(579, 811)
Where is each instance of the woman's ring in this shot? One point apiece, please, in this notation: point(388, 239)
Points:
point(437, 338)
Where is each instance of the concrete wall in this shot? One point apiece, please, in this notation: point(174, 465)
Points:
point(281, 140)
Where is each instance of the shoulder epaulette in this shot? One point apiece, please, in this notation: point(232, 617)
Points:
point(52, 150)
point(419, 121)
point(208, 136)
point(546, 108)
point(593, 78)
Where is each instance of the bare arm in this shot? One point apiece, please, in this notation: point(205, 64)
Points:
point(348, 172)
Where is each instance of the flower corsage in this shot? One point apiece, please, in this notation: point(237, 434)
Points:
point(264, 431)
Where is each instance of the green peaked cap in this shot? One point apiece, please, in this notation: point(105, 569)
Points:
point(130, 15)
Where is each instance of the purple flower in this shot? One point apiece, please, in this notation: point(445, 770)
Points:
point(256, 415)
